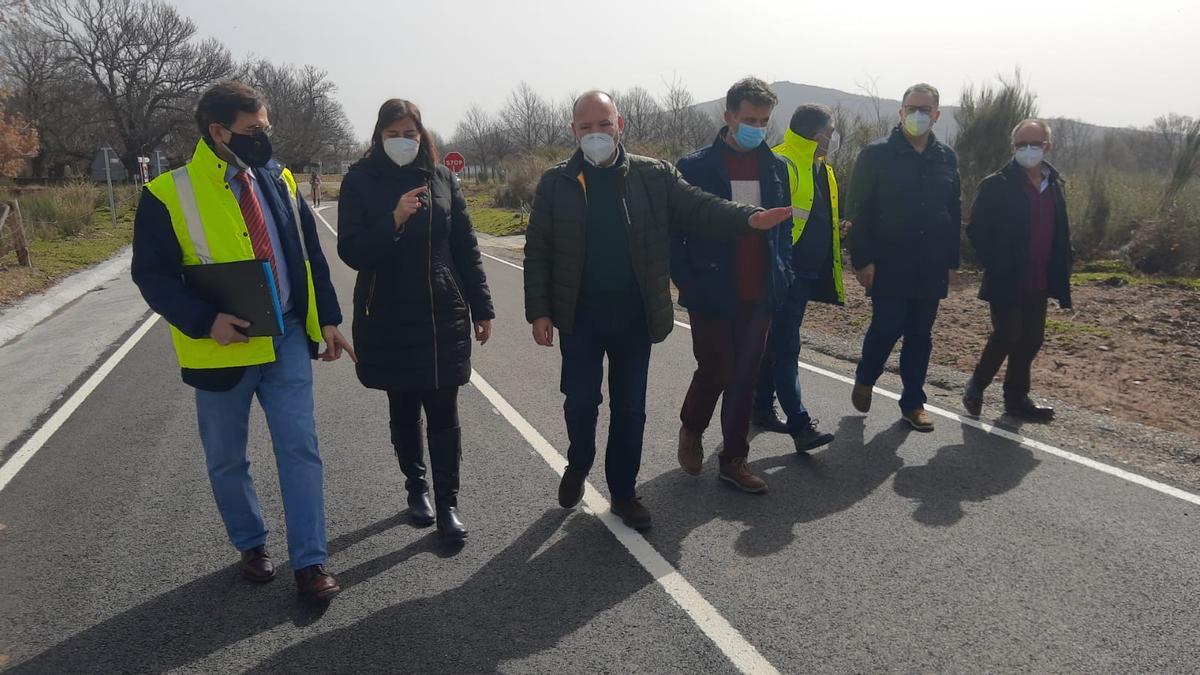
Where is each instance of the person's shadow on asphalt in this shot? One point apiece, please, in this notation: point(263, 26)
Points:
point(982, 467)
point(803, 488)
point(205, 615)
point(523, 601)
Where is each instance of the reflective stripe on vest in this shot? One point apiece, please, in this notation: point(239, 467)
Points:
point(191, 214)
point(195, 227)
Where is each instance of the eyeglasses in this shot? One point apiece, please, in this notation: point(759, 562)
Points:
point(910, 109)
point(256, 130)
point(1029, 144)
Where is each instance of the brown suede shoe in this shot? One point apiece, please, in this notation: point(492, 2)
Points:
point(736, 473)
point(632, 513)
point(861, 397)
point(919, 419)
point(256, 565)
point(314, 583)
point(691, 451)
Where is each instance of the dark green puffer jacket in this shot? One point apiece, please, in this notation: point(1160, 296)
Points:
point(656, 199)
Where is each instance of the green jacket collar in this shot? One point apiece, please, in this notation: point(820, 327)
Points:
point(799, 149)
point(205, 162)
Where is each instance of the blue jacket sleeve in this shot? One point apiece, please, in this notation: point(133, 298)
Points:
point(329, 312)
point(158, 271)
point(681, 271)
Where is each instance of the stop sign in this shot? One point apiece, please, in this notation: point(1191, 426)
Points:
point(454, 161)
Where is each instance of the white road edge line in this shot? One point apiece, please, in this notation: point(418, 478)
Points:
point(35, 442)
point(317, 213)
point(1030, 443)
point(744, 656)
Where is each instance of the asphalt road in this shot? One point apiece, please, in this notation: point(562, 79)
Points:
point(886, 551)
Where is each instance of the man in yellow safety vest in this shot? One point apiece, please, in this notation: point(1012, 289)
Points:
point(230, 203)
point(817, 263)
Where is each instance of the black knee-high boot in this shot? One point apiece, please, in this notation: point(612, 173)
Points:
point(445, 456)
point(409, 443)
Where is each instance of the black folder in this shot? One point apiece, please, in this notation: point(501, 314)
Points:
point(245, 289)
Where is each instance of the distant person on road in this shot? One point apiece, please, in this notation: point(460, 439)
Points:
point(815, 251)
point(1022, 239)
point(731, 288)
point(232, 202)
point(597, 259)
point(906, 208)
point(403, 225)
point(314, 185)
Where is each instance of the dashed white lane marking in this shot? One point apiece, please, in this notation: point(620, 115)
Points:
point(994, 430)
point(64, 412)
point(739, 651)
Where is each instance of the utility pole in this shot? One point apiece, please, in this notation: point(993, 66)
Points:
point(112, 205)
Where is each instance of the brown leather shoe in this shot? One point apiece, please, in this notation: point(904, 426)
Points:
point(632, 513)
point(919, 419)
point(736, 473)
point(256, 565)
point(691, 451)
point(1028, 409)
point(861, 397)
point(314, 583)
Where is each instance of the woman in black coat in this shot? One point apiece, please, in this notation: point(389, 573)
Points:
point(403, 225)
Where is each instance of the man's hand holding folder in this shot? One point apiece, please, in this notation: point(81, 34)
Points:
point(225, 329)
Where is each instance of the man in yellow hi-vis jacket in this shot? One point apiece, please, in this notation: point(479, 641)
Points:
point(232, 202)
point(817, 264)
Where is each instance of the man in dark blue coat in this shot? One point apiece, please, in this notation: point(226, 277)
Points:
point(731, 288)
point(906, 210)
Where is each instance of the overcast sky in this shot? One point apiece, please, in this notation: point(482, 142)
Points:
point(1111, 63)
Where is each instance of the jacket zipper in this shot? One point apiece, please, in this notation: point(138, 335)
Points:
point(371, 293)
point(429, 279)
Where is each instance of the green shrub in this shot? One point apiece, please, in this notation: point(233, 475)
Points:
point(63, 211)
point(1167, 245)
point(521, 176)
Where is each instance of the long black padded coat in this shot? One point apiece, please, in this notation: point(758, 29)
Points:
point(419, 288)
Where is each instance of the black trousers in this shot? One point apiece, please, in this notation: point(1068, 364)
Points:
point(1017, 334)
point(441, 408)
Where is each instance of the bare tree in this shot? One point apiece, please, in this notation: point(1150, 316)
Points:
point(141, 58)
point(684, 126)
point(309, 120)
point(32, 65)
point(642, 114)
point(481, 139)
point(528, 119)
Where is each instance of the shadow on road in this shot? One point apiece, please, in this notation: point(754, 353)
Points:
point(807, 488)
point(981, 468)
point(523, 601)
point(203, 616)
point(802, 489)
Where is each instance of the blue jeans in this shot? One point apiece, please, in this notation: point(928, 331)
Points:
point(618, 331)
point(284, 389)
point(891, 319)
point(779, 373)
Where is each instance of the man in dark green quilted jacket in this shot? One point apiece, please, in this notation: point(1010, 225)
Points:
point(597, 267)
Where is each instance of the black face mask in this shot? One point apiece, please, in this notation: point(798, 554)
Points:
point(254, 150)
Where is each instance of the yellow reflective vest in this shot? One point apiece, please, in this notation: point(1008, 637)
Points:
point(208, 223)
point(801, 152)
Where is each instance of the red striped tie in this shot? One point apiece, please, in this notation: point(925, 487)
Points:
point(256, 224)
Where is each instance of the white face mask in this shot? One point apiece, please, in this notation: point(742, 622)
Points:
point(401, 150)
point(1029, 156)
point(835, 142)
point(917, 123)
point(598, 148)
